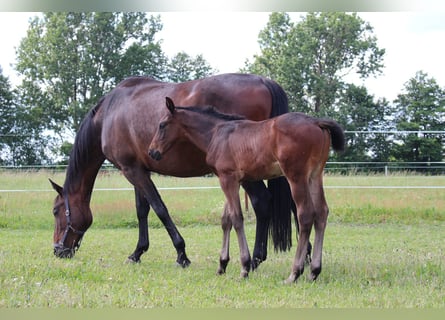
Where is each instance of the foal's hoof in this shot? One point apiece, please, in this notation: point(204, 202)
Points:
point(244, 274)
point(290, 280)
point(220, 272)
point(293, 277)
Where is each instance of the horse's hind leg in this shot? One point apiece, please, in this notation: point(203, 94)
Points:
point(321, 216)
point(309, 245)
point(260, 199)
point(142, 209)
point(305, 218)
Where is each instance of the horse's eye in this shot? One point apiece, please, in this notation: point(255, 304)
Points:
point(56, 210)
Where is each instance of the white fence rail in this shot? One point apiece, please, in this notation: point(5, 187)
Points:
point(382, 167)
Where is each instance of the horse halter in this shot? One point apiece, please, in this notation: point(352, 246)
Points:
point(60, 249)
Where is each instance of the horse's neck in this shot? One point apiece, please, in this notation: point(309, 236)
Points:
point(86, 156)
point(83, 182)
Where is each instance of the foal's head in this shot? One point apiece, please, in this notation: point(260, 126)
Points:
point(181, 122)
point(164, 139)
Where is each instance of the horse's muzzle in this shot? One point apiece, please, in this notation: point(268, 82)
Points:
point(155, 154)
point(63, 252)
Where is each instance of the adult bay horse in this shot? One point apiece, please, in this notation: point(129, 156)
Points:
point(120, 127)
point(293, 144)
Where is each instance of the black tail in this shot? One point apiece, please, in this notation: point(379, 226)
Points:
point(337, 134)
point(280, 226)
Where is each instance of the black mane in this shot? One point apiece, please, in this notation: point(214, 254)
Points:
point(85, 146)
point(212, 112)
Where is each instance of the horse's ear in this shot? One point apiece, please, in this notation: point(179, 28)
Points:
point(170, 104)
point(56, 187)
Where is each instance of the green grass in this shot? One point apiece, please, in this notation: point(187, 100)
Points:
point(383, 248)
point(364, 266)
point(115, 209)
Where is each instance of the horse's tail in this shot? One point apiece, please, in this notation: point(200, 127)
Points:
point(337, 133)
point(280, 226)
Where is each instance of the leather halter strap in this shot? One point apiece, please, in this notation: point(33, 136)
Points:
point(69, 226)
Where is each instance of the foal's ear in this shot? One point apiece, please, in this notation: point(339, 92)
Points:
point(56, 187)
point(170, 104)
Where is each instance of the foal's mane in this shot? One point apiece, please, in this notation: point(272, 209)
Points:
point(212, 112)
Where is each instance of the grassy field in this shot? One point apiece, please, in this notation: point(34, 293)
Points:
point(383, 248)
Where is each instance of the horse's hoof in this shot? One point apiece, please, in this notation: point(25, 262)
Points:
point(256, 263)
point(292, 279)
point(244, 274)
point(220, 271)
point(313, 276)
point(184, 263)
point(132, 261)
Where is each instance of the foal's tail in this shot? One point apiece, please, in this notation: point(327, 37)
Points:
point(280, 220)
point(337, 133)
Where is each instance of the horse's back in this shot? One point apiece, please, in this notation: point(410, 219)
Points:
point(232, 93)
point(133, 109)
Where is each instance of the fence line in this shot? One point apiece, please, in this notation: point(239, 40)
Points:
point(213, 187)
point(108, 166)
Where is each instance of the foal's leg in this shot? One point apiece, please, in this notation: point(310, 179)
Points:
point(305, 217)
point(321, 216)
point(230, 186)
point(309, 245)
point(226, 224)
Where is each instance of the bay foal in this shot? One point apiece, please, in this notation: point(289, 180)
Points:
point(294, 145)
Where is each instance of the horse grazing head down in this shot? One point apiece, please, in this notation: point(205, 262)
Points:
point(70, 224)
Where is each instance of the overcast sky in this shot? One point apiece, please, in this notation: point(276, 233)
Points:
point(413, 41)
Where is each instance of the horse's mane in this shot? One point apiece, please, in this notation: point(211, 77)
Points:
point(87, 139)
point(212, 112)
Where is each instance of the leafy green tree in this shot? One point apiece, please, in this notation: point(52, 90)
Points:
point(420, 108)
point(69, 60)
point(362, 117)
point(183, 67)
point(311, 58)
point(20, 139)
point(6, 116)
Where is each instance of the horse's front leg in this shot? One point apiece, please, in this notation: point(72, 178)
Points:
point(161, 211)
point(226, 225)
point(230, 186)
point(142, 209)
point(141, 179)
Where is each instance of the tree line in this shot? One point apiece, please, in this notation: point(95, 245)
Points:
point(67, 61)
